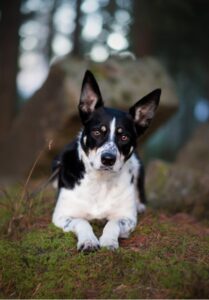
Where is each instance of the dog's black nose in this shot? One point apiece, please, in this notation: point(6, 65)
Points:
point(108, 159)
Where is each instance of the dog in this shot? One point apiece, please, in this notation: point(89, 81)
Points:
point(101, 176)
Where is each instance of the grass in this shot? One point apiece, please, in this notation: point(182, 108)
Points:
point(166, 256)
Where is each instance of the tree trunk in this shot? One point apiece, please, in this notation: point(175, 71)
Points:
point(9, 41)
point(49, 51)
point(141, 33)
point(77, 33)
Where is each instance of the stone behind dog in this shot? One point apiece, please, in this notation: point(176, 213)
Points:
point(50, 119)
point(182, 186)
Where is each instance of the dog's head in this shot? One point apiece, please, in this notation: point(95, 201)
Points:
point(109, 135)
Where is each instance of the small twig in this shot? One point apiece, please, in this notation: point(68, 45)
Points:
point(36, 289)
point(30, 174)
point(25, 195)
point(44, 185)
point(11, 222)
point(17, 208)
point(50, 143)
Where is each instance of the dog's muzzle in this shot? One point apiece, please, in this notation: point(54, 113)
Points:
point(108, 155)
point(108, 159)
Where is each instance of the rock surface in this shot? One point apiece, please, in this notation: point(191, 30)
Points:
point(184, 185)
point(195, 153)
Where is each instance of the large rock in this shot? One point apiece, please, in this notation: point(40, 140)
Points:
point(195, 154)
point(177, 189)
point(50, 118)
point(184, 185)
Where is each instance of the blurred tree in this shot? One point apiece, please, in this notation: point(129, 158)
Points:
point(177, 33)
point(174, 30)
point(141, 36)
point(10, 20)
point(51, 27)
point(77, 48)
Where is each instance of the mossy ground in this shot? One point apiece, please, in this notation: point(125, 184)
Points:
point(166, 257)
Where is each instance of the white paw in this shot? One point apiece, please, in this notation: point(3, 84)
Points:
point(108, 243)
point(141, 208)
point(90, 244)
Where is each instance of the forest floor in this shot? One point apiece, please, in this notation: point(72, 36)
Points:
point(167, 256)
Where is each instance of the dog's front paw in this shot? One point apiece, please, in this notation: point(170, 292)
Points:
point(109, 243)
point(88, 245)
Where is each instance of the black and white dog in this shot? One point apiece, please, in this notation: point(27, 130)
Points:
point(101, 176)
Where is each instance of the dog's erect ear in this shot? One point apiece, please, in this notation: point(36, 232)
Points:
point(91, 98)
point(144, 110)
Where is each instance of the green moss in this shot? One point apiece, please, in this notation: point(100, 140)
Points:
point(161, 259)
point(19, 211)
point(45, 264)
point(8, 205)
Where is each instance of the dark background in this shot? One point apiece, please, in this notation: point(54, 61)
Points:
point(34, 33)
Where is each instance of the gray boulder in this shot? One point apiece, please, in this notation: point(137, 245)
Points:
point(184, 185)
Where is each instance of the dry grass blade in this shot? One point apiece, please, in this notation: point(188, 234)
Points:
point(21, 206)
point(25, 188)
point(18, 205)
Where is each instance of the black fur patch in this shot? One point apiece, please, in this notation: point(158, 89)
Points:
point(67, 223)
point(140, 183)
point(72, 168)
point(132, 179)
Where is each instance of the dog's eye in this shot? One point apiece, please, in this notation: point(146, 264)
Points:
point(96, 133)
point(124, 138)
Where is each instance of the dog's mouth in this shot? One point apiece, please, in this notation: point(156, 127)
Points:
point(106, 168)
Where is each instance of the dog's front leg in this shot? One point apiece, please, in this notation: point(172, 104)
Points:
point(87, 241)
point(115, 229)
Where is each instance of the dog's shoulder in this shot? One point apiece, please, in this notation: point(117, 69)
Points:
point(72, 168)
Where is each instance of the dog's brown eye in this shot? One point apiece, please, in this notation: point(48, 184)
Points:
point(124, 138)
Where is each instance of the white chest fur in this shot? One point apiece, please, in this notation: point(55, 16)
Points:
point(101, 195)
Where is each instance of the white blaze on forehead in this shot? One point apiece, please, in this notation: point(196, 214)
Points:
point(112, 129)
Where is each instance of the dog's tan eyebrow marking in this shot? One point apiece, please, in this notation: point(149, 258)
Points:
point(120, 130)
point(103, 128)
